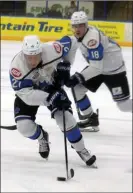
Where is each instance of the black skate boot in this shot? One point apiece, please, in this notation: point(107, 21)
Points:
point(88, 158)
point(44, 145)
point(92, 122)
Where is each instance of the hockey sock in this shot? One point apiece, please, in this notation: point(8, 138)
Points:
point(38, 133)
point(75, 138)
point(84, 105)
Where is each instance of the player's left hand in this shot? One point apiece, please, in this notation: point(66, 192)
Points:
point(75, 79)
point(62, 73)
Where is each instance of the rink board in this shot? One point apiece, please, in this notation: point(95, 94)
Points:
point(15, 28)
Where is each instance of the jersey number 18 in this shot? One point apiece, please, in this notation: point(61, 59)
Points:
point(95, 54)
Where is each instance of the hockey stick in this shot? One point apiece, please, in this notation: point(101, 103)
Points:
point(68, 176)
point(40, 67)
point(13, 127)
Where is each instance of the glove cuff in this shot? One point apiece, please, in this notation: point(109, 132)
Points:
point(52, 97)
point(80, 78)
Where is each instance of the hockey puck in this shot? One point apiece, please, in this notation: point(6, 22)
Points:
point(61, 179)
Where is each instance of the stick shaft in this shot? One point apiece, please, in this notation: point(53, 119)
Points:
point(65, 143)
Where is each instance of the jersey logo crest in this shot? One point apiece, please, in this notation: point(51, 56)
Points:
point(35, 75)
point(15, 73)
point(57, 47)
point(117, 91)
point(92, 43)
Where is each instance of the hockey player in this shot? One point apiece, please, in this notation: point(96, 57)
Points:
point(90, 120)
point(105, 64)
point(37, 75)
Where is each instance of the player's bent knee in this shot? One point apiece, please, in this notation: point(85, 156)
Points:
point(26, 127)
point(125, 105)
point(73, 133)
point(69, 119)
point(80, 91)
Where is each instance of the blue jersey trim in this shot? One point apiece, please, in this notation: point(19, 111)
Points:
point(19, 84)
point(96, 54)
point(66, 42)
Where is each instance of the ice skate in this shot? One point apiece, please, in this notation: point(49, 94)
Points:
point(90, 123)
point(89, 159)
point(44, 145)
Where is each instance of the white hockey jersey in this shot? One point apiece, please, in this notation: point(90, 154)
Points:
point(102, 54)
point(23, 78)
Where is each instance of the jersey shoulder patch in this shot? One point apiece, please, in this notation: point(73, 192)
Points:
point(17, 66)
point(66, 43)
point(57, 47)
point(16, 73)
point(92, 39)
point(92, 43)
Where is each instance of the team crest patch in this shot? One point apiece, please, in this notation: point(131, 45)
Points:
point(57, 47)
point(117, 91)
point(35, 75)
point(92, 43)
point(15, 72)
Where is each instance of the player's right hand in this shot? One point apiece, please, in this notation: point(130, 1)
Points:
point(59, 100)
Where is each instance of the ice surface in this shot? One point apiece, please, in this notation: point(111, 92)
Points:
point(22, 170)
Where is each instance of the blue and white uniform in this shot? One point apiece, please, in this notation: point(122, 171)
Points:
point(30, 86)
point(52, 54)
point(102, 54)
point(104, 64)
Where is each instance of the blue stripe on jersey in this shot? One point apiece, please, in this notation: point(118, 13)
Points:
point(66, 42)
point(19, 84)
point(84, 103)
point(96, 53)
point(73, 135)
point(36, 134)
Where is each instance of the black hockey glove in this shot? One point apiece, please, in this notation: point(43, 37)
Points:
point(75, 79)
point(62, 73)
point(59, 100)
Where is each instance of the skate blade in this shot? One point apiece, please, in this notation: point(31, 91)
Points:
point(91, 129)
point(93, 166)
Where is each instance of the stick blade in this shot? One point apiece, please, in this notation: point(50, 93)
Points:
point(71, 173)
point(13, 127)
